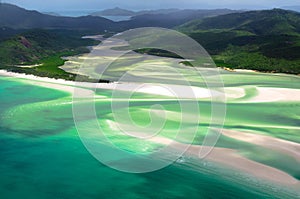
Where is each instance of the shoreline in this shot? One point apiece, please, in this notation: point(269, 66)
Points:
point(87, 89)
point(264, 94)
point(57, 84)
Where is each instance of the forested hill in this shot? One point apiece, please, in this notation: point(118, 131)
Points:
point(264, 22)
point(267, 40)
point(44, 48)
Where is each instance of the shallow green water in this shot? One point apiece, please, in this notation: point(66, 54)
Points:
point(42, 155)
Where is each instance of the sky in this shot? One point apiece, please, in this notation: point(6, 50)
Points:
point(59, 5)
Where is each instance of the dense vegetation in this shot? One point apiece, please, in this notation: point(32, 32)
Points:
point(259, 40)
point(267, 41)
point(42, 48)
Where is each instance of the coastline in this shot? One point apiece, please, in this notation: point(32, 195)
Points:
point(57, 84)
point(87, 89)
point(264, 94)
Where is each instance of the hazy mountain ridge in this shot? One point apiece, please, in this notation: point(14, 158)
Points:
point(114, 12)
point(123, 12)
point(162, 17)
point(12, 16)
point(172, 19)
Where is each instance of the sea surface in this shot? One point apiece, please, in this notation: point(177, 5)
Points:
point(42, 155)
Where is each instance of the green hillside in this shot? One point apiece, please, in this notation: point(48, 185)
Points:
point(42, 47)
point(261, 40)
point(264, 22)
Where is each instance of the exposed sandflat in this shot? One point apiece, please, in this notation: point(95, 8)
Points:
point(283, 146)
point(232, 159)
point(266, 94)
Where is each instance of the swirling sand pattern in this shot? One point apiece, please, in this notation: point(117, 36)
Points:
point(34, 127)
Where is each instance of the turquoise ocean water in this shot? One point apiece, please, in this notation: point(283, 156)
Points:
point(42, 156)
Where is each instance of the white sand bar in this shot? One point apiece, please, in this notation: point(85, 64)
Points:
point(287, 147)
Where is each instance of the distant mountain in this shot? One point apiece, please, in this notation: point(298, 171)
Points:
point(276, 21)
point(123, 12)
point(51, 13)
point(114, 12)
point(159, 11)
point(12, 16)
point(173, 18)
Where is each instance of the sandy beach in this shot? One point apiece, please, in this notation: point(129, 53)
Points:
point(87, 89)
point(167, 90)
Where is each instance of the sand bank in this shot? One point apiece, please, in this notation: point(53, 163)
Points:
point(266, 94)
point(287, 147)
point(232, 159)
